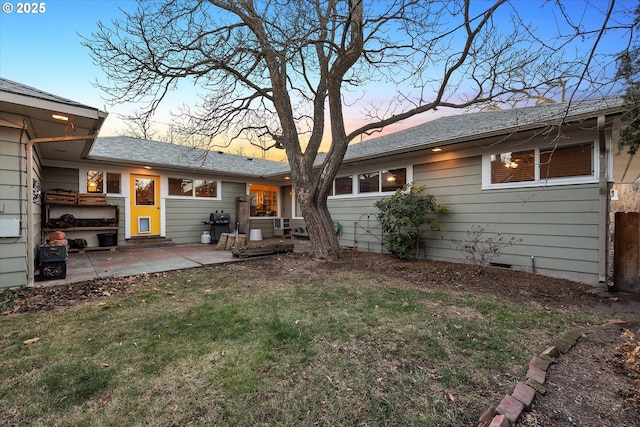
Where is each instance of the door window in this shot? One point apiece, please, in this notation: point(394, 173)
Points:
point(145, 191)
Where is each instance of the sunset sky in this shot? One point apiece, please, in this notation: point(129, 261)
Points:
point(44, 49)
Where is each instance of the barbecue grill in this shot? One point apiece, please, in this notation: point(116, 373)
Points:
point(218, 224)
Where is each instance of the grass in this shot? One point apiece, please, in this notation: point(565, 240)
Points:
point(231, 346)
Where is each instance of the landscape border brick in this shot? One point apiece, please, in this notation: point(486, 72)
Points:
point(563, 346)
point(536, 374)
point(500, 421)
point(551, 352)
point(540, 363)
point(511, 406)
point(524, 394)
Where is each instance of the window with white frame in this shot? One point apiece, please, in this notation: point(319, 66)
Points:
point(263, 200)
point(187, 187)
point(391, 180)
point(99, 181)
point(552, 165)
point(387, 180)
point(369, 182)
point(343, 185)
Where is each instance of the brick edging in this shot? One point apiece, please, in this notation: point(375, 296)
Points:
point(513, 405)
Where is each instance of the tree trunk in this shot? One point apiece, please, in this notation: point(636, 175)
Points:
point(322, 234)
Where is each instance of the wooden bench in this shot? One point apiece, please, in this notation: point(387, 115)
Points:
point(269, 249)
point(298, 235)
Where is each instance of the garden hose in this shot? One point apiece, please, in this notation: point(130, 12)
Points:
point(338, 227)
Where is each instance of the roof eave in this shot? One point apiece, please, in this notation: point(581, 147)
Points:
point(613, 111)
point(182, 168)
point(102, 116)
point(43, 104)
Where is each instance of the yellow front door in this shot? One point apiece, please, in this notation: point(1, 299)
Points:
point(145, 205)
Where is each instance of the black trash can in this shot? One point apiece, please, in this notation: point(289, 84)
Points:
point(107, 239)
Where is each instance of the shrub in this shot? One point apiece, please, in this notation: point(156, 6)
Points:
point(479, 248)
point(404, 216)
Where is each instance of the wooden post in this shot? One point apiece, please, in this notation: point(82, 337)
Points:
point(242, 214)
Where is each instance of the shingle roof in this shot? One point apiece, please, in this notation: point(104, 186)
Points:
point(464, 127)
point(445, 130)
point(9, 86)
point(146, 152)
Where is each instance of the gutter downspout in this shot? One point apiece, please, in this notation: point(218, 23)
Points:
point(603, 203)
point(29, 200)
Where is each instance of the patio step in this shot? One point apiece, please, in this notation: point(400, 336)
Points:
point(146, 242)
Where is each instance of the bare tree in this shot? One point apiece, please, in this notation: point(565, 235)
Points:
point(283, 73)
point(138, 125)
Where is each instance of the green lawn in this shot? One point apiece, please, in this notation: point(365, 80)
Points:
point(238, 345)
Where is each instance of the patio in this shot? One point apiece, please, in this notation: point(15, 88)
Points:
point(133, 261)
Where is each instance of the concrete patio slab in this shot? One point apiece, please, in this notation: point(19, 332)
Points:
point(126, 262)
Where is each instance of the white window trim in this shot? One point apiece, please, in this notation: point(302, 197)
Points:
point(278, 201)
point(193, 196)
point(84, 184)
point(356, 187)
point(294, 205)
point(538, 181)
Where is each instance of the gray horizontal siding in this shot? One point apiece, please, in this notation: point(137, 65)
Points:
point(184, 219)
point(62, 178)
point(184, 216)
point(119, 201)
point(298, 223)
point(558, 225)
point(37, 206)
point(10, 147)
point(11, 206)
point(13, 267)
point(357, 217)
point(14, 195)
point(9, 180)
point(263, 224)
point(13, 250)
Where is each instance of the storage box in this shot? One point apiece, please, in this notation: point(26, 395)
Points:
point(52, 253)
point(60, 197)
point(107, 239)
point(53, 270)
point(92, 199)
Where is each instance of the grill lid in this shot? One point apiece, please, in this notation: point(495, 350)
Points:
point(220, 218)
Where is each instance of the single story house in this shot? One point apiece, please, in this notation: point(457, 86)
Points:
point(539, 174)
point(35, 126)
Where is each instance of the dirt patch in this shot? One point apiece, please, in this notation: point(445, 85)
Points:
point(29, 300)
point(587, 387)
